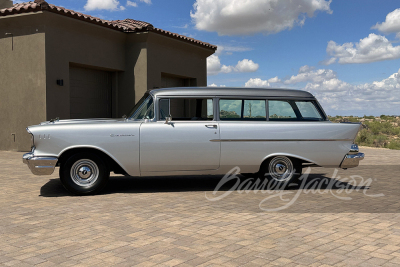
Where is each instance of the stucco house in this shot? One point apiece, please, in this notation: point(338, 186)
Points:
point(56, 62)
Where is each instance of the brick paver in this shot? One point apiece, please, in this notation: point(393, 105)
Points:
point(169, 221)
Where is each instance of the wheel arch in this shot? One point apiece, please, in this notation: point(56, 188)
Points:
point(111, 162)
point(297, 158)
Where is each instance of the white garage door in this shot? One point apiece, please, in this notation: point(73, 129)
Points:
point(90, 93)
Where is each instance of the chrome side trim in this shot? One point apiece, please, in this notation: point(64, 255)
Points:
point(40, 165)
point(351, 160)
point(276, 140)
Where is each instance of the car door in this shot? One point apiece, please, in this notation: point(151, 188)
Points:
point(183, 144)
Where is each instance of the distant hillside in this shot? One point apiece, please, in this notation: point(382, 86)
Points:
point(382, 131)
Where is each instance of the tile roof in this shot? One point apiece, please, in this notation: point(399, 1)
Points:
point(127, 25)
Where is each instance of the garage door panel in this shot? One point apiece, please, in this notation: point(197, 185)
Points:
point(90, 93)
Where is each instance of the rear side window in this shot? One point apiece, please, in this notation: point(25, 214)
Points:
point(294, 110)
point(242, 109)
point(308, 110)
point(281, 110)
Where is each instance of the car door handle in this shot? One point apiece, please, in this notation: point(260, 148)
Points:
point(211, 126)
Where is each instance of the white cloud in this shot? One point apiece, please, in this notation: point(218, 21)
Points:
point(246, 65)
point(214, 66)
point(228, 49)
point(214, 85)
point(257, 82)
point(379, 96)
point(274, 80)
point(130, 3)
point(146, 1)
point(339, 97)
point(370, 49)
point(391, 24)
point(308, 74)
point(102, 4)
point(238, 17)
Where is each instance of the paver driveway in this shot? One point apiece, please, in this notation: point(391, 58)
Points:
point(169, 221)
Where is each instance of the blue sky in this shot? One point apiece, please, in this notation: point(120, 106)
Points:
point(347, 53)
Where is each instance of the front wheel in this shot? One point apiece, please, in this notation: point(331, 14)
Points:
point(84, 174)
point(282, 170)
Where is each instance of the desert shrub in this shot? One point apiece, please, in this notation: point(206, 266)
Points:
point(353, 119)
point(374, 126)
point(393, 145)
point(364, 137)
point(380, 140)
point(369, 117)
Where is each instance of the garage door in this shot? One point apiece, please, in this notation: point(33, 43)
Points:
point(90, 95)
point(171, 81)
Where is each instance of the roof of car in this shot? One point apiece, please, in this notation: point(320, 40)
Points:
point(230, 91)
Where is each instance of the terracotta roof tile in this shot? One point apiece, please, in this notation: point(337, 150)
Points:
point(126, 25)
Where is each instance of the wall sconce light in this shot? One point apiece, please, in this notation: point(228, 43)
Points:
point(60, 82)
point(12, 39)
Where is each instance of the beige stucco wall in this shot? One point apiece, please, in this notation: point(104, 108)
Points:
point(134, 78)
point(5, 4)
point(47, 44)
point(172, 56)
point(70, 41)
point(22, 79)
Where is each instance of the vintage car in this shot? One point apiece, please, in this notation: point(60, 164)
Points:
point(196, 131)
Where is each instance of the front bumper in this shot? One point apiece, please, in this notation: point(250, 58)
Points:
point(351, 160)
point(40, 165)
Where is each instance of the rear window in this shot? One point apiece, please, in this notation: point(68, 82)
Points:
point(294, 110)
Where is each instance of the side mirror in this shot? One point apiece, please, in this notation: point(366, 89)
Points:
point(168, 119)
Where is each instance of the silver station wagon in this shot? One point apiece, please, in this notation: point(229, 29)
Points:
point(272, 133)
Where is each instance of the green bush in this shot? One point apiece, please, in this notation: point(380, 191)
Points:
point(376, 133)
point(364, 137)
point(393, 145)
point(380, 140)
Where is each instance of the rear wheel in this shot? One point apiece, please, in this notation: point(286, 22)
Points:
point(84, 174)
point(282, 170)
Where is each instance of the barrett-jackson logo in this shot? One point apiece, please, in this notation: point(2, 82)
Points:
point(121, 135)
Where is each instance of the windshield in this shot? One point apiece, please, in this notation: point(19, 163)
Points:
point(144, 109)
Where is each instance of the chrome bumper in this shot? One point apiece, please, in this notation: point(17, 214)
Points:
point(351, 160)
point(40, 165)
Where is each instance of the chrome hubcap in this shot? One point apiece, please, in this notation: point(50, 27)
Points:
point(281, 168)
point(84, 172)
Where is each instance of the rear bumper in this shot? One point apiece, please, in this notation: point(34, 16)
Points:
point(40, 165)
point(351, 160)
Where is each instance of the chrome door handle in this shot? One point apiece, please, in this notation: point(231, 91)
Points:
point(211, 126)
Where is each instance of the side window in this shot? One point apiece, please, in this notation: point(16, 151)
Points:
point(164, 108)
point(254, 110)
point(281, 110)
point(238, 109)
point(186, 109)
point(308, 110)
point(230, 109)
